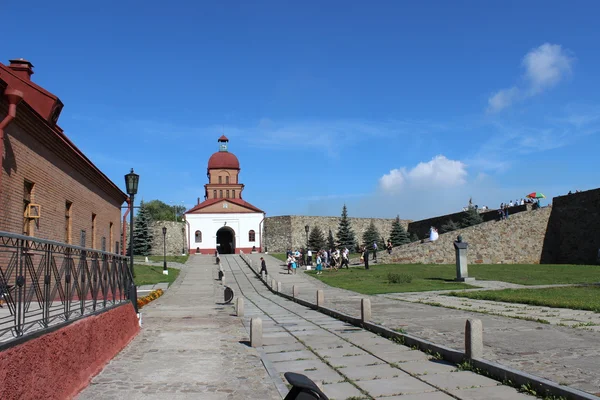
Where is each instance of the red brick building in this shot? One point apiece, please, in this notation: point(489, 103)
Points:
point(48, 188)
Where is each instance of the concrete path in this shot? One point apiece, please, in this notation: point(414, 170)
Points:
point(189, 348)
point(349, 362)
point(579, 319)
point(562, 354)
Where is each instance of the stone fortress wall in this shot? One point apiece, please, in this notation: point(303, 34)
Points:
point(517, 240)
point(176, 238)
point(288, 231)
point(566, 232)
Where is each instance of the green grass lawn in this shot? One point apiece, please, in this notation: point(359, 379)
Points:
point(578, 297)
point(375, 280)
point(153, 274)
point(439, 277)
point(177, 259)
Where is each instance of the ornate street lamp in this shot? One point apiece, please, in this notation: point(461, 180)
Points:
point(165, 270)
point(131, 184)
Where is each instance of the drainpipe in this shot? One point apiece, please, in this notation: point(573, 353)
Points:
point(189, 243)
point(14, 97)
point(124, 249)
point(260, 249)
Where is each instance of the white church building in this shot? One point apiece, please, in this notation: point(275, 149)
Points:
point(224, 221)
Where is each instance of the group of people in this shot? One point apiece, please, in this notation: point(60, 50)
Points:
point(331, 258)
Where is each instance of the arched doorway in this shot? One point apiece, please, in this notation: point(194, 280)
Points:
point(226, 240)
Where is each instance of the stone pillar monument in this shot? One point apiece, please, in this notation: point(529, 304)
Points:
point(462, 273)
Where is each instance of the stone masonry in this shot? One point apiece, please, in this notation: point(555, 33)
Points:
point(517, 240)
point(176, 240)
point(288, 232)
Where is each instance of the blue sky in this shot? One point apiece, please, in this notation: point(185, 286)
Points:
point(391, 107)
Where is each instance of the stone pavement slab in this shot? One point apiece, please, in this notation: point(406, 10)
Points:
point(558, 353)
point(189, 348)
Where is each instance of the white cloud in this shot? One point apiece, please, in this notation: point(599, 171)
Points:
point(545, 66)
point(502, 99)
point(439, 172)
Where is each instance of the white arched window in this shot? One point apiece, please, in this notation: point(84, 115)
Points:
point(198, 237)
point(251, 236)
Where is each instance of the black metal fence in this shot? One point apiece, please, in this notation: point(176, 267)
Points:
point(43, 283)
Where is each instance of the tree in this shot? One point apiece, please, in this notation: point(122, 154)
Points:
point(345, 234)
point(371, 235)
point(316, 239)
point(398, 235)
point(449, 226)
point(160, 211)
point(142, 235)
point(330, 241)
point(471, 218)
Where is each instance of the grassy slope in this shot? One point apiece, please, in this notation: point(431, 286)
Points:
point(152, 274)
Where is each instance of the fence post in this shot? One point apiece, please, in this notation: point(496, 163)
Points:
point(320, 298)
point(365, 310)
point(239, 307)
point(256, 332)
point(295, 291)
point(273, 284)
point(278, 287)
point(473, 338)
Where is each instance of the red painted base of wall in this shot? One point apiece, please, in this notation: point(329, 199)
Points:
point(211, 252)
point(61, 363)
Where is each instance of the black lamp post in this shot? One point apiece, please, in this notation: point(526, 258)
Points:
point(306, 229)
point(165, 270)
point(131, 183)
point(183, 236)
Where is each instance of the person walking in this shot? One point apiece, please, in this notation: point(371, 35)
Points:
point(366, 256)
point(263, 266)
point(374, 252)
point(319, 264)
point(309, 257)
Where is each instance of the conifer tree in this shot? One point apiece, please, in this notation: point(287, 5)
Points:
point(345, 234)
point(398, 235)
point(330, 241)
point(142, 235)
point(371, 235)
point(471, 218)
point(449, 226)
point(316, 240)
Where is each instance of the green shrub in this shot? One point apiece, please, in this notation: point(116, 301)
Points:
point(399, 278)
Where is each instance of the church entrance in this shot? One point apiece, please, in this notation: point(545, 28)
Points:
point(226, 240)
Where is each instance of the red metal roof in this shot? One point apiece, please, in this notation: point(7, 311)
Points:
point(223, 160)
point(210, 202)
point(223, 138)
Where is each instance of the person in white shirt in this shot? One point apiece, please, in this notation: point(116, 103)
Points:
point(309, 257)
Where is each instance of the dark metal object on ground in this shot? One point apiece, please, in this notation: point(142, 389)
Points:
point(220, 275)
point(303, 388)
point(45, 282)
point(228, 295)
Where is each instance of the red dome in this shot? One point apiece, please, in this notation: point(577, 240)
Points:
point(223, 160)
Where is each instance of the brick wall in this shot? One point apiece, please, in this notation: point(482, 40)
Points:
point(519, 239)
point(55, 181)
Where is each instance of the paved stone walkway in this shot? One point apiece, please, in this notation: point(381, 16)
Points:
point(349, 362)
point(562, 354)
point(189, 348)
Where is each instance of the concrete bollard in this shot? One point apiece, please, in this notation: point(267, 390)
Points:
point(223, 280)
point(256, 339)
point(320, 298)
point(273, 284)
point(239, 307)
point(473, 338)
point(278, 287)
point(263, 276)
point(295, 291)
point(365, 310)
